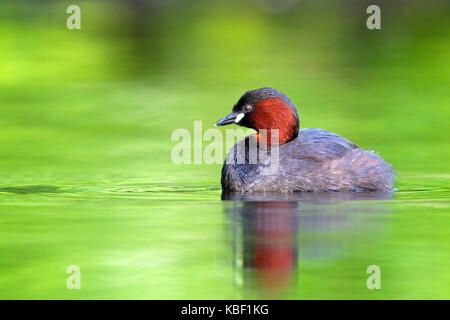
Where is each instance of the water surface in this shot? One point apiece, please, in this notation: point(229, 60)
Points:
point(144, 242)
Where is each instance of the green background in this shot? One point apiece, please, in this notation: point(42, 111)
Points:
point(86, 116)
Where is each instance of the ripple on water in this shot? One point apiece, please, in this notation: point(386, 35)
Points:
point(161, 189)
point(32, 189)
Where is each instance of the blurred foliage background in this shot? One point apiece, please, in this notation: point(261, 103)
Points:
point(138, 69)
point(88, 114)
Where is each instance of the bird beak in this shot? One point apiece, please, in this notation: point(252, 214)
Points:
point(229, 119)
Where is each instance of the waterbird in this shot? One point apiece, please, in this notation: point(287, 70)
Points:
point(308, 160)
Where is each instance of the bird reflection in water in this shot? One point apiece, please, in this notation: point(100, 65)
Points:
point(270, 233)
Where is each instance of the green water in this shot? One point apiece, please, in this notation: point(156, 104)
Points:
point(86, 176)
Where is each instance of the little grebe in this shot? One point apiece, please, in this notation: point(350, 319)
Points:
point(308, 159)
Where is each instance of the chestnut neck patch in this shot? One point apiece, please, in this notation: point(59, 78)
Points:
point(274, 113)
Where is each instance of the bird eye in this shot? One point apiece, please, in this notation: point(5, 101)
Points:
point(248, 108)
